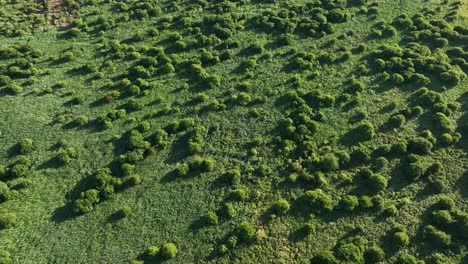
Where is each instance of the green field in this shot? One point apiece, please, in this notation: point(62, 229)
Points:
point(234, 131)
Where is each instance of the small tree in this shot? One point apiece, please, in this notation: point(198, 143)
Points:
point(169, 251)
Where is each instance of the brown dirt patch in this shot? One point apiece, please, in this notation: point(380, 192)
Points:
point(55, 14)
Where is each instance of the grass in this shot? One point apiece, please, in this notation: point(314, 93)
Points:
point(168, 209)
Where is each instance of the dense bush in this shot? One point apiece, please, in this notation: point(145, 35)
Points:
point(318, 201)
point(168, 251)
point(419, 145)
point(246, 231)
point(436, 237)
point(211, 218)
point(7, 220)
point(365, 131)
point(5, 257)
point(400, 239)
point(408, 259)
point(329, 162)
point(281, 207)
point(25, 146)
point(349, 202)
point(351, 253)
point(324, 257)
point(374, 254)
point(86, 202)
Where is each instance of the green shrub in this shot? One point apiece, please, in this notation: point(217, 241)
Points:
point(374, 254)
point(281, 207)
point(211, 218)
point(360, 156)
point(246, 231)
point(263, 170)
point(445, 203)
point(134, 180)
point(233, 176)
point(153, 251)
point(318, 201)
point(441, 218)
point(397, 120)
point(414, 171)
point(308, 228)
point(377, 182)
point(365, 131)
point(182, 169)
point(349, 202)
point(324, 257)
point(400, 239)
point(329, 162)
point(124, 212)
point(436, 237)
point(25, 146)
point(13, 89)
point(408, 259)
point(7, 220)
point(5, 257)
point(351, 253)
point(420, 145)
point(169, 251)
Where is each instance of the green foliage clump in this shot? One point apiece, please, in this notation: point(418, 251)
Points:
point(329, 162)
point(246, 231)
point(324, 257)
point(365, 131)
point(437, 237)
point(400, 239)
point(25, 146)
point(349, 202)
point(124, 212)
point(420, 145)
point(86, 202)
point(7, 220)
point(374, 254)
point(318, 201)
point(5, 257)
point(169, 251)
point(211, 218)
point(408, 259)
point(281, 207)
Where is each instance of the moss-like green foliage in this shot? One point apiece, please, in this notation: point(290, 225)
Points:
point(211, 218)
point(281, 207)
point(437, 237)
point(152, 251)
point(246, 231)
point(124, 212)
point(350, 252)
point(5, 257)
point(400, 239)
point(318, 201)
point(25, 146)
point(86, 202)
point(349, 202)
point(7, 220)
point(329, 162)
point(324, 257)
point(374, 254)
point(169, 251)
point(408, 259)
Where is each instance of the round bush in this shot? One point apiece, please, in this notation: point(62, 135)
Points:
point(377, 182)
point(436, 237)
point(169, 251)
point(400, 239)
point(414, 170)
point(374, 254)
point(152, 251)
point(329, 163)
point(7, 220)
point(445, 203)
point(349, 202)
point(324, 257)
point(408, 259)
point(5, 257)
point(211, 218)
point(397, 121)
point(351, 253)
point(365, 131)
point(25, 146)
point(124, 211)
point(318, 201)
point(442, 218)
point(281, 207)
point(246, 231)
point(420, 145)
